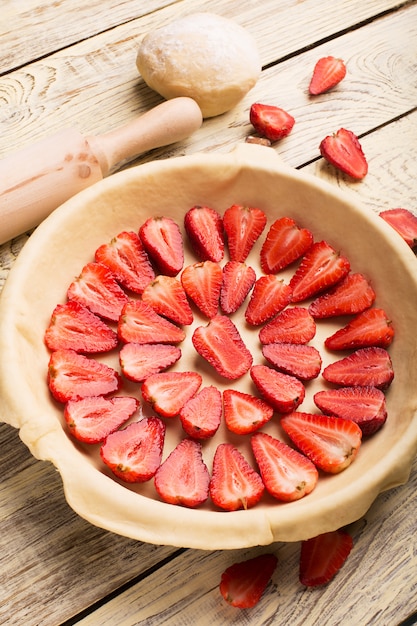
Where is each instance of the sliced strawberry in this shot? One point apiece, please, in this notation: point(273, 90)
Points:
point(369, 328)
point(321, 268)
point(139, 323)
point(243, 226)
point(343, 151)
point(404, 222)
point(74, 327)
point(242, 584)
point(139, 361)
point(183, 478)
point(72, 376)
point(244, 413)
point(167, 392)
point(204, 227)
point(125, 256)
point(331, 443)
point(162, 239)
point(201, 415)
point(221, 345)
point(327, 73)
point(298, 360)
point(270, 121)
point(283, 392)
point(352, 295)
point(285, 243)
point(287, 474)
point(97, 289)
point(166, 295)
point(270, 295)
point(293, 325)
point(238, 280)
point(365, 367)
point(322, 557)
point(92, 419)
point(234, 483)
point(202, 283)
point(134, 453)
point(364, 405)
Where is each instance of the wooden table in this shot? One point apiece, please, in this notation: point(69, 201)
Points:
point(72, 63)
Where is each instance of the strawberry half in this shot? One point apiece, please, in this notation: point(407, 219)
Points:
point(166, 295)
point(244, 413)
point(298, 360)
point(202, 283)
point(167, 392)
point(183, 478)
point(331, 443)
point(270, 121)
point(234, 483)
point(162, 239)
point(364, 405)
point(238, 280)
point(352, 295)
point(270, 295)
point(139, 323)
point(321, 268)
point(134, 453)
point(322, 557)
point(242, 584)
point(201, 415)
point(139, 361)
point(204, 227)
point(92, 419)
point(243, 226)
point(283, 392)
point(74, 327)
point(404, 222)
point(327, 73)
point(343, 151)
point(293, 325)
point(287, 474)
point(366, 367)
point(285, 243)
point(369, 328)
point(221, 345)
point(125, 256)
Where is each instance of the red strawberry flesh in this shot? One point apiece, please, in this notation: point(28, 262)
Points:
point(327, 73)
point(243, 226)
point(243, 583)
point(244, 413)
point(285, 243)
point(139, 361)
point(167, 392)
point(270, 296)
point(238, 280)
point(202, 283)
point(139, 323)
point(352, 295)
point(293, 325)
point(298, 360)
point(204, 227)
point(404, 222)
point(322, 557)
point(162, 239)
point(283, 392)
point(271, 121)
point(369, 328)
point(343, 151)
point(201, 415)
point(364, 367)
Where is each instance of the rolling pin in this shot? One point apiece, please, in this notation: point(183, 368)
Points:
point(37, 179)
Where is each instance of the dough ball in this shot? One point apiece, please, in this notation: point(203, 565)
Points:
point(204, 56)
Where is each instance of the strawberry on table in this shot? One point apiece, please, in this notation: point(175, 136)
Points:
point(285, 243)
point(238, 280)
point(343, 151)
point(283, 392)
point(404, 222)
point(166, 295)
point(364, 367)
point(139, 323)
point(293, 325)
point(167, 392)
point(270, 295)
point(369, 328)
point(245, 413)
point(201, 415)
point(162, 239)
point(298, 360)
point(204, 227)
point(243, 583)
point(322, 557)
point(352, 295)
point(139, 361)
point(327, 73)
point(202, 283)
point(271, 121)
point(243, 226)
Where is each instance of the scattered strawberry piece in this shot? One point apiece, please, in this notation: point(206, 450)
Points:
point(352, 295)
point(166, 295)
point(293, 325)
point(364, 405)
point(343, 151)
point(92, 419)
point(139, 323)
point(244, 413)
point(283, 392)
point(162, 239)
point(270, 295)
point(321, 268)
point(204, 227)
point(201, 415)
point(134, 453)
point(234, 483)
point(202, 283)
point(242, 584)
point(243, 226)
point(97, 289)
point(139, 361)
point(238, 280)
point(369, 328)
point(167, 392)
point(327, 73)
point(270, 121)
point(221, 345)
point(322, 557)
point(72, 376)
point(331, 443)
point(287, 474)
point(285, 243)
point(404, 222)
point(366, 367)
point(183, 478)
point(74, 327)
point(298, 360)
point(125, 256)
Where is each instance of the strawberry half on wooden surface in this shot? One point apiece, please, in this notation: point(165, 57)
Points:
point(201, 415)
point(270, 296)
point(352, 295)
point(204, 227)
point(404, 222)
point(293, 325)
point(243, 583)
point(162, 239)
point(298, 360)
point(166, 295)
point(244, 413)
point(283, 392)
point(322, 557)
point(139, 361)
point(271, 121)
point(243, 226)
point(167, 392)
point(238, 280)
point(285, 242)
point(327, 73)
point(369, 328)
point(202, 283)
point(364, 367)
point(343, 151)
point(139, 323)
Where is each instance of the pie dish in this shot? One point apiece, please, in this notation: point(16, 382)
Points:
point(252, 175)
